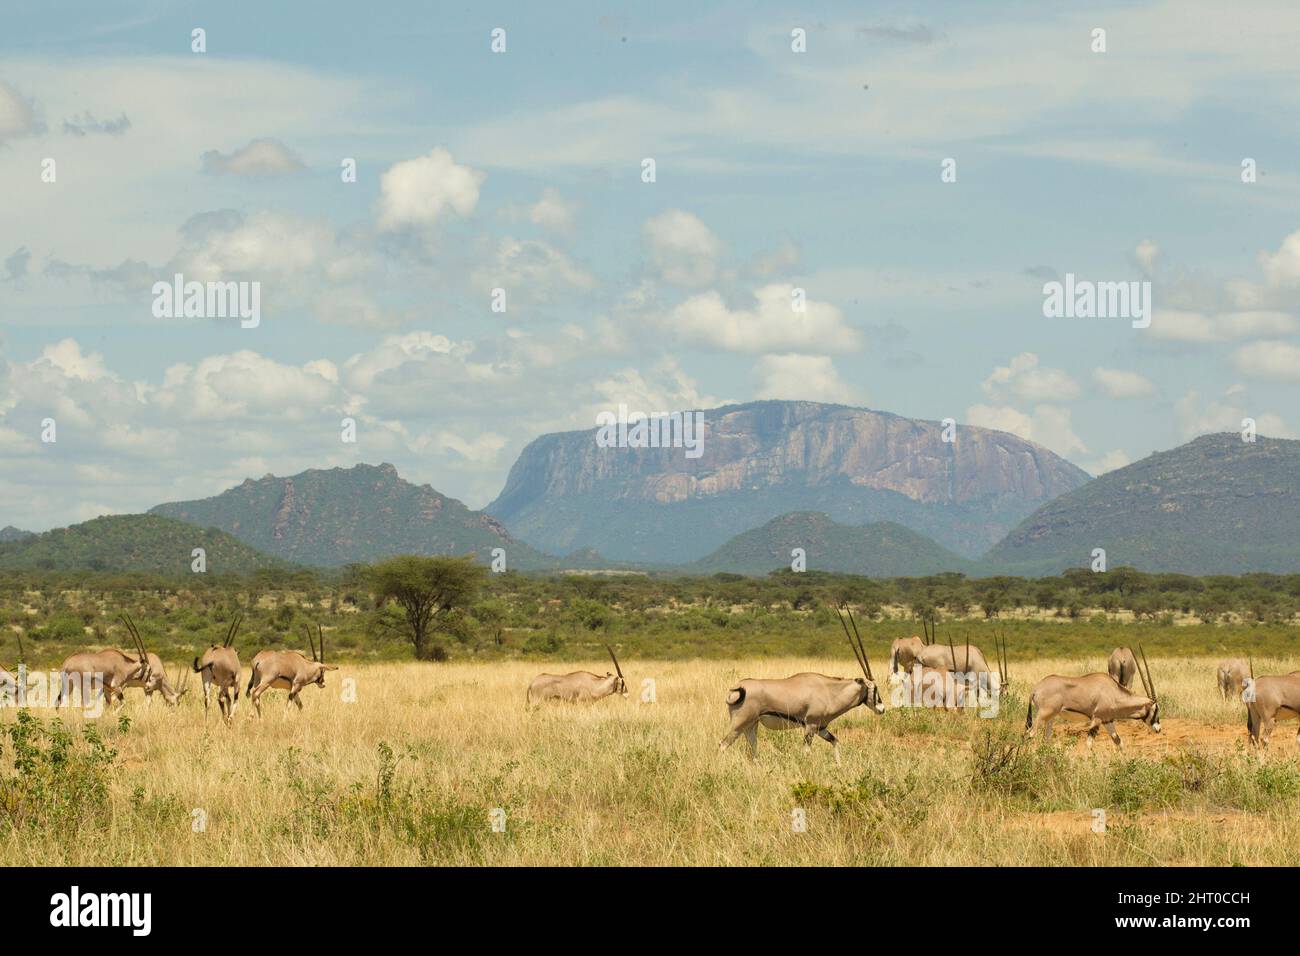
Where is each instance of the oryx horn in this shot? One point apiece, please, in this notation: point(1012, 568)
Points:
point(135, 635)
point(617, 669)
point(312, 641)
point(22, 654)
point(1148, 681)
point(320, 633)
point(859, 651)
point(233, 629)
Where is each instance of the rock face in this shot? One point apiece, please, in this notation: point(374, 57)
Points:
point(343, 515)
point(765, 459)
point(1216, 505)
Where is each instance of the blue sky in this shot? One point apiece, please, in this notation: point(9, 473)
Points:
point(521, 170)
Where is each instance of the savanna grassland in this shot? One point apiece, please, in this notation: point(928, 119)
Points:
point(411, 770)
point(402, 761)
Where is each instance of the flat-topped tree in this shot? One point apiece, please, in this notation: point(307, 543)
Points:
point(427, 590)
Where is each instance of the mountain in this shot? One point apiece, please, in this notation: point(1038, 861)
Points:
point(765, 459)
point(149, 543)
point(1217, 505)
point(344, 515)
point(10, 533)
point(880, 550)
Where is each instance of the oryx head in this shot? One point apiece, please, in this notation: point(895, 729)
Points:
point(869, 693)
point(142, 669)
point(178, 689)
point(1151, 712)
point(620, 685)
point(319, 657)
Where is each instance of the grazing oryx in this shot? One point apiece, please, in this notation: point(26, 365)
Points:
point(1271, 699)
point(1231, 676)
point(288, 670)
point(1097, 698)
point(578, 686)
point(157, 681)
point(220, 665)
point(111, 667)
point(1122, 667)
point(805, 701)
point(907, 651)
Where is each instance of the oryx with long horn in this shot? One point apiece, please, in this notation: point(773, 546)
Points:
point(220, 668)
point(1270, 699)
point(909, 651)
point(578, 686)
point(808, 702)
point(1097, 698)
point(288, 670)
point(106, 671)
point(157, 682)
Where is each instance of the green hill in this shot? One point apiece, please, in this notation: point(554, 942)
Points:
point(148, 543)
point(1217, 505)
point(879, 550)
point(330, 517)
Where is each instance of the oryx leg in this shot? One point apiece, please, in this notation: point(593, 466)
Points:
point(1114, 735)
point(737, 728)
point(830, 738)
point(207, 694)
point(255, 695)
point(751, 737)
point(294, 691)
point(1093, 726)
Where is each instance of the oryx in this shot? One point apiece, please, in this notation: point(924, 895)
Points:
point(288, 670)
point(1231, 676)
point(1097, 698)
point(1270, 699)
point(1122, 666)
point(907, 651)
point(111, 668)
point(220, 666)
point(578, 686)
point(805, 701)
point(157, 681)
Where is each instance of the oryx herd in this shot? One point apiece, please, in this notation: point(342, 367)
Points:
point(923, 672)
point(102, 676)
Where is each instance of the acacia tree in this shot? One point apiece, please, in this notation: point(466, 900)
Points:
point(426, 590)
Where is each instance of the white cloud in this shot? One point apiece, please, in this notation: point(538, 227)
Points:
point(261, 157)
point(684, 250)
point(1146, 254)
point(1225, 414)
point(1107, 462)
point(531, 271)
point(664, 387)
point(1048, 425)
point(1022, 379)
point(811, 378)
point(553, 211)
point(1118, 383)
point(771, 326)
point(1268, 361)
point(17, 115)
point(1200, 328)
point(420, 192)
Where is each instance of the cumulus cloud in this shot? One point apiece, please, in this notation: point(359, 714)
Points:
point(1048, 425)
point(1107, 462)
point(1268, 361)
point(1023, 379)
point(772, 325)
point(1198, 416)
point(552, 211)
point(1118, 383)
point(531, 271)
point(810, 378)
point(683, 249)
point(664, 387)
point(261, 157)
point(1201, 328)
point(17, 114)
point(421, 192)
point(1146, 255)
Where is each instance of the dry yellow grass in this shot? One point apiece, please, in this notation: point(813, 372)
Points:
point(411, 771)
